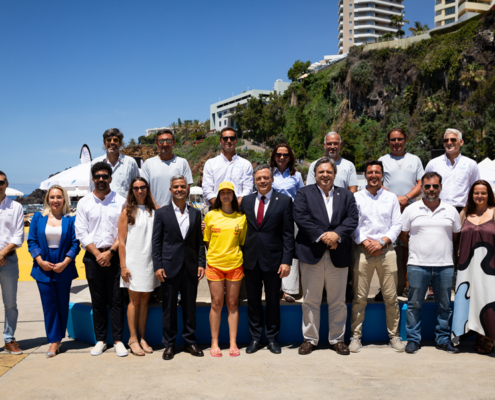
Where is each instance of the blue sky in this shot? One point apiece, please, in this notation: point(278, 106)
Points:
point(72, 69)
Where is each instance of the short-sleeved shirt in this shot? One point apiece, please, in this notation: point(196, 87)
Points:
point(346, 174)
point(286, 183)
point(430, 240)
point(158, 174)
point(401, 174)
point(225, 233)
point(123, 172)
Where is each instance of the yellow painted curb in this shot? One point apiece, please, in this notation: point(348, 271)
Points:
point(7, 361)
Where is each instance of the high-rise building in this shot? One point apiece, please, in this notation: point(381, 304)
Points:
point(364, 21)
point(449, 11)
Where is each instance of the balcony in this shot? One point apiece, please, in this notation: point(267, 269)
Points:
point(380, 2)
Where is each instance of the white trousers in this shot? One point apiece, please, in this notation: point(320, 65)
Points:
point(290, 284)
point(314, 278)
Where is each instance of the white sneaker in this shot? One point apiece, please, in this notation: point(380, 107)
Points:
point(355, 346)
point(397, 344)
point(98, 349)
point(120, 349)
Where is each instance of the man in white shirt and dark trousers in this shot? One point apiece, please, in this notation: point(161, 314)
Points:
point(227, 167)
point(431, 228)
point(97, 229)
point(124, 168)
point(378, 228)
point(457, 171)
point(11, 237)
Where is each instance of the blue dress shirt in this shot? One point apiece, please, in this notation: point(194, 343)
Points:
point(286, 183)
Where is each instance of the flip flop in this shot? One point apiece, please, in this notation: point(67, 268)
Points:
point(216, 353)
point(234, 352)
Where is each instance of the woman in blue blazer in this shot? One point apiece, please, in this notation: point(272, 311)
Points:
point(53, 245)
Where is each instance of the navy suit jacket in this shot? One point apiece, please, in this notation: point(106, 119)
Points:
point(272, 243)
point(170, 250)
point(68, 247)
point(312, 220)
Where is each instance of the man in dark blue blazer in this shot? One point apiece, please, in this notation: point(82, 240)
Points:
point(179, 263)
point(268, 253)
point(326, 216)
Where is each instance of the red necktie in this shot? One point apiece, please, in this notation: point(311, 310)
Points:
point(261, 211)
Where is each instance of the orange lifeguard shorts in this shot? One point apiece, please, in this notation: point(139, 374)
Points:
point(217, 275)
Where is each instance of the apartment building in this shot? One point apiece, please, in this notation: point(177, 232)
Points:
point(449, 11)
point(364, 21)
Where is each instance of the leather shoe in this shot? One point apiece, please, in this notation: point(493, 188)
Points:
point(195, 350)
point(340, 348)
point(306, 348)
point(168, 353)
point(253, 347)
point(275, 348)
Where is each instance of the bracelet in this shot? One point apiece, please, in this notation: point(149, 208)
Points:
point(407, 197)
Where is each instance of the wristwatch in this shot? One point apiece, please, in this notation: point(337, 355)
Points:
point(382, 242)
point(113, 251)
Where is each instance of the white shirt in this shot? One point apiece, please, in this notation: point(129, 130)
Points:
point(401, 174)
point(268, 196)
point(53, 234)
point(11, 223)
point(97, 221)
point(457, 179)
point(379, 216)
point(158, 173)
point(182, 219)
point(430, 240)
point(328, 205)
point(123, 172)
point(239, 171)
point(346, 174)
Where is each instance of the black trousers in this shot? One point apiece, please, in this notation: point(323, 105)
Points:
point(104, 286)
point(188, 287)
point(255, 278)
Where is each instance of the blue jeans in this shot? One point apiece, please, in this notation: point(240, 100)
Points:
point(9, 275)
point(441, 279)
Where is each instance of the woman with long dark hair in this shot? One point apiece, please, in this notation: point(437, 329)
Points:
point(136, 264)
point(224, 236)
point(288, 181)
point(474, 293)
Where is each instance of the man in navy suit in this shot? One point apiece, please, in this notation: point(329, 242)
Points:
point(326, 216)
point(268, 253)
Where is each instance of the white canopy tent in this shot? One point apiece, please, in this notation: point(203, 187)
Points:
point(13, 192)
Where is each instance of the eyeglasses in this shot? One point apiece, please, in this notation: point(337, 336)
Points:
point(2, 183)
point(435, 186)
point(168, 141)
point(453, 140)
point(105, 177)
point(282, 155)
point(113, 140)
point(397, 140)
point(227, 138)
point(138, 188)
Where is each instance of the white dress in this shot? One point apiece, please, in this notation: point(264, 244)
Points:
point(138, 253)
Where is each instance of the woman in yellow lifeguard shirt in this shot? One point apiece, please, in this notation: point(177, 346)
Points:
point(224, 235)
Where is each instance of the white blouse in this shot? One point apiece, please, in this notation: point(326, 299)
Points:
point(53, 235)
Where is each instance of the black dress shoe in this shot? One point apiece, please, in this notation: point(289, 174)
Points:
point(168, 353)
point(194, 350)
point(275, 348)
point(253, 347)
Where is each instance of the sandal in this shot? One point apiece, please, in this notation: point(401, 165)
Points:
point(234, 352)
point(215, 352)
point(485, 344)
point(148, 349)
point(136, 353)
point(288, 298)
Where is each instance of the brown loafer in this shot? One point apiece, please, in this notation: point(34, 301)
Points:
point(340, 348)
point(168, 353)
point(306, 348)
point(13, 348)
point(195, 350)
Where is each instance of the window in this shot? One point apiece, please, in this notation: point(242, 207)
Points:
point(449, 21)
point(438, 13)
point(449, 1)
point(350, 23)
point(350, 40)
point(350, 32)
point(350, 15)
point(350, 6)
point(450, 11)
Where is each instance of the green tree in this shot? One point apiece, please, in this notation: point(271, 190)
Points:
point(398, 21)
point(418, 28)
point(297, 69)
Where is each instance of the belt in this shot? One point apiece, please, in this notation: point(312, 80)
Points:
point(10, 254)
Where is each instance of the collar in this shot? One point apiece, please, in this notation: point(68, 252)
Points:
point(106, 197)
point(456, 160)
point(267, 196)
point(330, 194)
point(4, 201)
point(285, 174)
point(398, 157)
point(177, 209)
point(422, 204)
point(368, 193)
point(120, 159)
point(235, 157)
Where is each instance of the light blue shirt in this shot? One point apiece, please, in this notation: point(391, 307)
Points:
point(286, 183)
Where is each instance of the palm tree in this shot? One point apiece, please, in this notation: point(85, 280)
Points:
point(418, 28)
point(398, 21)
point(387, 37)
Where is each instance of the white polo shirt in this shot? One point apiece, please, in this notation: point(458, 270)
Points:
point(430, 240)
point(457, 179)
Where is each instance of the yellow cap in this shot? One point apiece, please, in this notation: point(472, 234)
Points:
point(226, 185)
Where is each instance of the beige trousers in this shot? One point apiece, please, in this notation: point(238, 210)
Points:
point(314, 278)
point(386, 268)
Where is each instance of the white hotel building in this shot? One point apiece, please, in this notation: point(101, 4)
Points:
point(364, 21)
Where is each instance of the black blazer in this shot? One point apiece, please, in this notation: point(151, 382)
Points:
point(170, 251)
point(272, 243)
point(311, 218)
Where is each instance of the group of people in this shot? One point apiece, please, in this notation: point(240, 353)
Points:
point(139, 233)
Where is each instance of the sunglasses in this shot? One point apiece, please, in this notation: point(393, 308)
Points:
point(113, 140)
point(2, 183)
point(397, 140)
point(227, 138)
point(435, 186)
point(282, 155)
point(168, 141)
point(453, 140)
point(105, 177)
point(138, 188)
